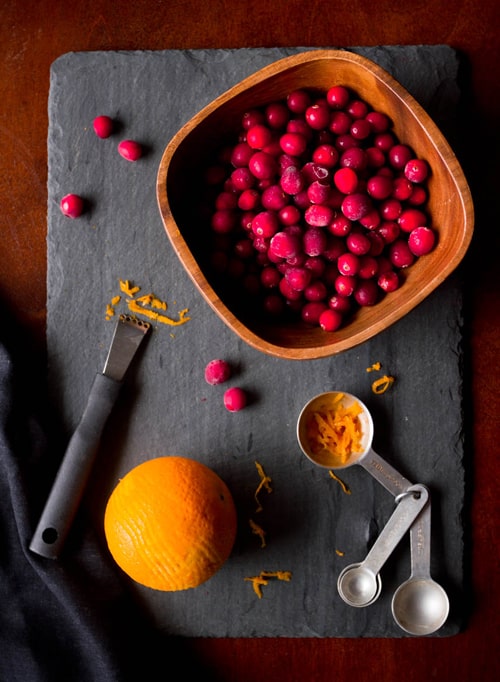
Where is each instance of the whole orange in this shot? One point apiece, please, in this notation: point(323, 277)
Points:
point(170, 523)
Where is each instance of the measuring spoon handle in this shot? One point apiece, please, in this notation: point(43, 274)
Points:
point(407, 510)
point(384, 473)
point(420, 543)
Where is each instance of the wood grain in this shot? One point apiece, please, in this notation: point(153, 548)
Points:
point(33, 34)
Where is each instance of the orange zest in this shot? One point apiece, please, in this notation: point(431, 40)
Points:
point(343, 485)
point(146, 305)
point(265, 482)
point(258, 530)
point(374, 368)
point(381, 385)
point(261, 580)
point(337, 430)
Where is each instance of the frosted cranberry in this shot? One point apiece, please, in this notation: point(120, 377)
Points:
point(330, 320)
point(389, 231)
point(251, 118)
point(235, 399)
point(226, 200)
point(312, 311)
point(348, 264)
point(223, 221)
point(285, 161)
point(371, 220)
point(301, 200)
point(390, 209)
point(316, 265)
point(338, 97)
point(316, 291)
point(318, 215)
point(384, 141)
point(357, 108)
point(294, 144)
point(377, 244)
point(325, 155)
point(273, 305)
point(242, 179)
point(335, 247)
point(72, 205)
point(416, 170)
point(318, 192)
point(243, 248)
point(298, 277)
point(299, 125)
point(314, 241)
point(259, 136)
point(336, 198)
point(317, 116)
point(340, 226)
point(289, 215)
point(354, 158)
point(411, 218)
point(313, 172)
point(355, 206)
point(421, 241)
point(388, 281)
point(368, 267)
point(262, 165)
point(345, 285)
point(241, 155)
point(217, 372)
point(265, 224)
point(288, 291)
point(375, 157)
point(344, 142)
point(284, 245)
point(277, 114)
point(346, 180)
point(249, 199)
point(418, 196)
point(400, 254)
point(298, 101)
point(292, 180)
point(358, 243)
point(360, 129)
point(366, 293)
point(270, 277)
point(130, 150)
point(402, 189)
point(103, 126)
point(341, 303)
point(379, 187)
point(378, 121)
point(340, 122)
point(274, 198)
point(399, 155)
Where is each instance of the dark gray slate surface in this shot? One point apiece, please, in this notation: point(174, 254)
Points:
point(167, 408)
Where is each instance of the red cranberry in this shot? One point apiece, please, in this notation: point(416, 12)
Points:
point(330, 320)
point(421, 241)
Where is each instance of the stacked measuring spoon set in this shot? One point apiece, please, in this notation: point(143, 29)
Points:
point(420, 606)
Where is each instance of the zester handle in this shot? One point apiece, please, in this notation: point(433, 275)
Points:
point(71, 480)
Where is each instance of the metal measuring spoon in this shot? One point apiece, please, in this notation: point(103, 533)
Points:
point(420, 605)
point(383, 472)
point(360, 584)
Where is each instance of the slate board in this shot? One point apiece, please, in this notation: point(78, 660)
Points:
point(167, 408)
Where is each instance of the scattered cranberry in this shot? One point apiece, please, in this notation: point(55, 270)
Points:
point(235, 399)
point(217, 372)
point(72, 205)
point(103, 126)
point(130, 150)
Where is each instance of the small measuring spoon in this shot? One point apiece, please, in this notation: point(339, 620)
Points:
point(420, 605)
point(360, 584)
point(383, 472)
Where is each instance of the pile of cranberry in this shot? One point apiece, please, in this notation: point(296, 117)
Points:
point(318, 208)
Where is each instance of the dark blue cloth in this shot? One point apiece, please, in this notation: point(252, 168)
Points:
point(72, 619)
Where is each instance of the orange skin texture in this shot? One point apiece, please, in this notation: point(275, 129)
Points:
point(170, 523)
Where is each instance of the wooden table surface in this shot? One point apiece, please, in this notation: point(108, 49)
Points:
point(33, 33)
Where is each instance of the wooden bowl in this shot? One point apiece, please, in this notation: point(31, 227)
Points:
point(199, 140)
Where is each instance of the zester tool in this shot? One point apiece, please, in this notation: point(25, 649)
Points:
point(74, 471)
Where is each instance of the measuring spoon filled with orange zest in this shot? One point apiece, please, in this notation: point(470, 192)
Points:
point(335, 431)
